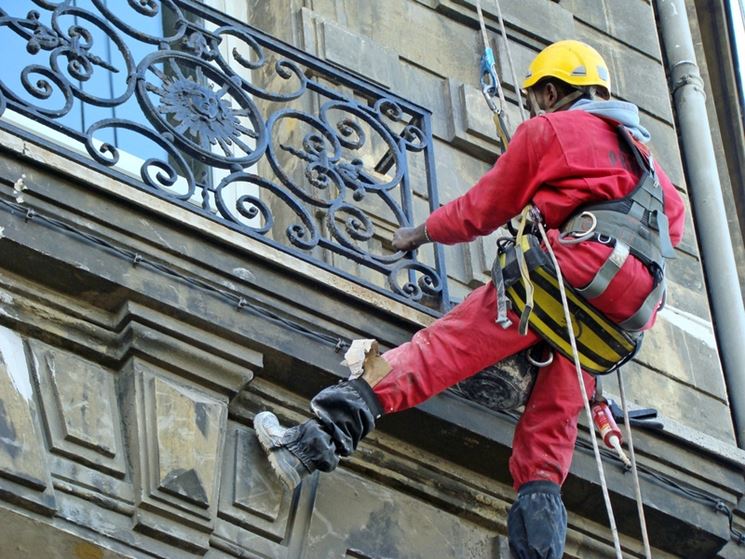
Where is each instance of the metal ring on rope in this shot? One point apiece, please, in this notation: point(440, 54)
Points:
point(535, 362)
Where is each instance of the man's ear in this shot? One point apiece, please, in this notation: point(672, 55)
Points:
point(551, 95)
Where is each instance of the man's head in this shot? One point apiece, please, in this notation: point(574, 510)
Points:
point(563, 72)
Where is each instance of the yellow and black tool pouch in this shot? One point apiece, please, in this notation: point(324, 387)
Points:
point(602, 345)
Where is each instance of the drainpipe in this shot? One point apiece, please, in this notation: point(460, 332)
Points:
point(725, 298)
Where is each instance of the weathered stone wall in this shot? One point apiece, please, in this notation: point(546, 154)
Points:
point(126, 395)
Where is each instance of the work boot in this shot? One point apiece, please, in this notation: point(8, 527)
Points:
point(345, 413)
point(274, 440)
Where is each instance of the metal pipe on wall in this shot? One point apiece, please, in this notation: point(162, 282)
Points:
point(725, 298)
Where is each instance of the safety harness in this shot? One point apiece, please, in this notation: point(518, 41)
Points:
point(524, 274)
point(635, 225)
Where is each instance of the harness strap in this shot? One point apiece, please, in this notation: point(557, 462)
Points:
point(503, 302)
point(637, 320)
point(502, 130)
point(607, 271)
point(524, 271)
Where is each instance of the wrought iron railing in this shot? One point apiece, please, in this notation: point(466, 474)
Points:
point(211, 114)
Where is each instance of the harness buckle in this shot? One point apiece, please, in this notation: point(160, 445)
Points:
point(603, 238)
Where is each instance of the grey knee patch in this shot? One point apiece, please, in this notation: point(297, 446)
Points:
point(537, 522)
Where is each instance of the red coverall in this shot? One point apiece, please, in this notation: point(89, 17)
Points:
point(559, 162)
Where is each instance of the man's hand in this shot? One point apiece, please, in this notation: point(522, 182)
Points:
point(410, 238)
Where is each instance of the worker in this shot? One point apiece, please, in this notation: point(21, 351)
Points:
point(570, 155)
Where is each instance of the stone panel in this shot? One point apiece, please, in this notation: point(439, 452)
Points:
point(547, 21)
point(679, 344)
point(428, 90)
point(631, 21)
point(522, 56)
point(24, 473)
point(253, 500)
point(591, 12)
point(665, 148)
point(420, 35)
point(251, 493)
point(689, 242)
point(361, 55)
point(80, 408)
point(176, 435)
point(354, 518)
point(634, 76)
point(679, 401)
point(473, 126)
point(685, 286)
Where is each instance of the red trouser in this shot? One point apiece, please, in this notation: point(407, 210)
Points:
point(465, 341)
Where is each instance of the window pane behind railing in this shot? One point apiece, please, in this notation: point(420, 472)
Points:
point(177, 99)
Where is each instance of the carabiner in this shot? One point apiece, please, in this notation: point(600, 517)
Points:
point(579, 236)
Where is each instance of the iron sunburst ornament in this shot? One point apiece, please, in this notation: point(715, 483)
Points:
point(203, 109)
point(202, 113)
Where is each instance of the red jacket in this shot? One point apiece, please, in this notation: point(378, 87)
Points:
point(560, 162)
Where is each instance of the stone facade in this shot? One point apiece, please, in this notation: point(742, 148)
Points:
point(127, 394)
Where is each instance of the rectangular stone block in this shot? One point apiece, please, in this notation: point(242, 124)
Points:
point(427, 89)
point(457, 171)
point(634, 76)
point(547, 21)
point(683, 346)
point(176, 435)
point(252, 496)
point(472, 125)
point(591, 12)
point(376, 522)
point(678, 401)
point(630, 21)
point(24, 471)
point(359, 54)
point(80, 408)
point(443, 46)
point(665, 148)
point(689, 242)
point(522, 56)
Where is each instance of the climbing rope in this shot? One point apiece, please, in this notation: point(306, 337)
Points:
point(634, 470)
point(583, 389)
point(511, 64)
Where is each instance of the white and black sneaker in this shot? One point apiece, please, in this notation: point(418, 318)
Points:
point(274, 440)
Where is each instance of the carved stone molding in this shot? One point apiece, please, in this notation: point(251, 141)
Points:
point(176, 435)
point(24, 473)
point(80, 408)
point(256, 511)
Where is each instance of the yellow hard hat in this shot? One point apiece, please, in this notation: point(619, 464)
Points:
point(573, 62)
